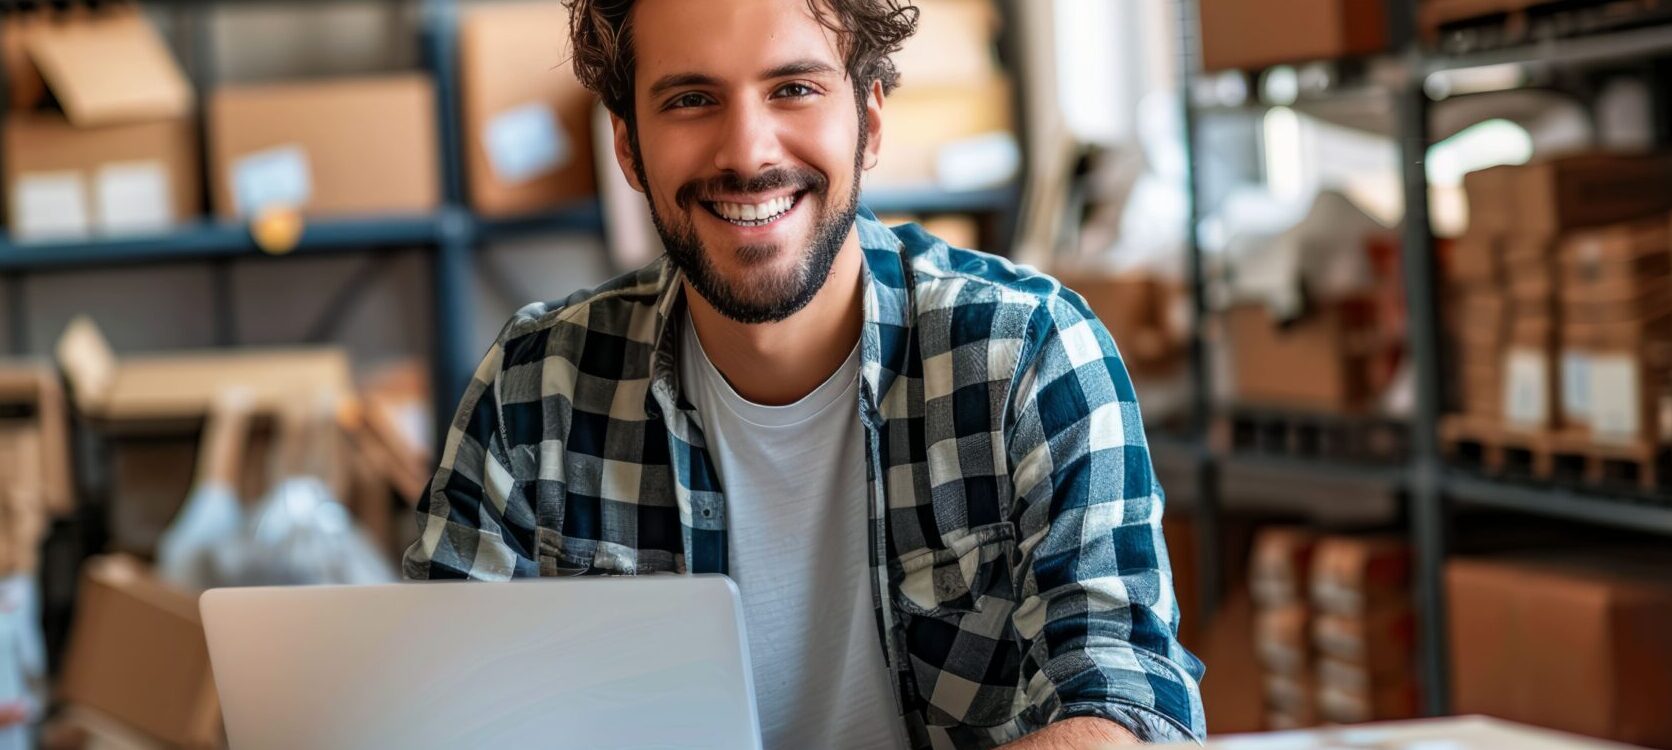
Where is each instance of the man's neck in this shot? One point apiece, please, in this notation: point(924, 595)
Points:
point(774, 364)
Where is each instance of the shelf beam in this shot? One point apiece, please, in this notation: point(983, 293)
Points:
point(1560, 504)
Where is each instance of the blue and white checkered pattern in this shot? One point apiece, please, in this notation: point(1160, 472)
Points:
point(1016, 547)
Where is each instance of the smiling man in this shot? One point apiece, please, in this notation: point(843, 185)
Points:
point(923, 466)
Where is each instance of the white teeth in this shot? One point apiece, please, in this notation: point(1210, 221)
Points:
point(755, 213)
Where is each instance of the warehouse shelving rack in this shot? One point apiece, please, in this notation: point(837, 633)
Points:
point(1431, 490)
point(450, 235)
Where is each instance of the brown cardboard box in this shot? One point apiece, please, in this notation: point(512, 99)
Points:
point(1293, 696)
point(527, 121)
point(181, 386)
point(1240, 34)
point(1379, 703)
point(347, 146)
point(110, 67)
point(1588, 190)
point(1381, 642)
point(925, 120)
point(1570, 641)
point(1492, 210)
point(25, 89)
point(1355, 575)
point(1280, 564)
point(137, 654)
point(1134, 309)
point(65, 181)
point(1315, 362)
point(953, 45)
point(1282, 638)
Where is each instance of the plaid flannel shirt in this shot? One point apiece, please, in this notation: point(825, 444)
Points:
point(1016, 556)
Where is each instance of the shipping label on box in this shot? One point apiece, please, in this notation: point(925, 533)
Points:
point(1616, 403)
point(275, 177)
point(525, 142)
point(1576, 387)
point(1527, 388)
point(133, 197)
point(49, 205)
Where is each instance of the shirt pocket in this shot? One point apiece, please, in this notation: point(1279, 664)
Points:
point(971, 568)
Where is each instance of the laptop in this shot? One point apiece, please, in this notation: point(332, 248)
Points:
point(628, 662)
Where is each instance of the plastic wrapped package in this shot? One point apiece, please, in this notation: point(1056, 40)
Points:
point(22, 659)
point(302, 535)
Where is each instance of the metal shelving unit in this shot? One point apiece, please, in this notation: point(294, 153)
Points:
point(1431, 491)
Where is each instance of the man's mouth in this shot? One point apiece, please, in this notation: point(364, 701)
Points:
point(754, 214)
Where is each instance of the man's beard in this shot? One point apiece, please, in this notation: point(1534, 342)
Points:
point(769, 298)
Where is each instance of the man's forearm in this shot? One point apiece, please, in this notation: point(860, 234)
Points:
point(1078, 733)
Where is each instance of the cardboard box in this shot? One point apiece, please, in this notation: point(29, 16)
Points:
point(1293, 696)
point(25, 89)
point(953, 45)
point(930, 125)
point(35, 482)
point(1282, 638)
point(137, 655)
point(527, 121)
point(1492, 207)
point(64, 181)
point(1588, 190)
point(1316, 362)
point(1381, 642)
point(1532, 388)
point(1280, 564)
point(348, 146)
point(109, 67)
point(1379, 703)
point(1240, 34)
point(181, 386)
point(1454, 733)
point(1135, 310)
point(1571, 641)
point(1357, 575)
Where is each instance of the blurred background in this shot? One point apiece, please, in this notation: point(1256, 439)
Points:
point(1393, 279)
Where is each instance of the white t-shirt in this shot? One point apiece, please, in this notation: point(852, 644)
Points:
point(794, 479)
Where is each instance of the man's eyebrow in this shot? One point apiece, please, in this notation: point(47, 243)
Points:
point(799, 68)
point(681, 80)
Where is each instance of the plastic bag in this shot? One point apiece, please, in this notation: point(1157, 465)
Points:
point(187, 554)
point(301, 535)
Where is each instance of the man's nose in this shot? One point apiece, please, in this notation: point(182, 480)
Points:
point(749, 142)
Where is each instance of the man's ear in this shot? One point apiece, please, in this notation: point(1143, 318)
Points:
point(624, 151)
point(873, 123)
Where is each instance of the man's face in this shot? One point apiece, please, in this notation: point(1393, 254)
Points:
point(749, 147)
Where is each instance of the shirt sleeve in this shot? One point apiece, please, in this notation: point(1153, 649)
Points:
point(476, 521)
point(1098, 619)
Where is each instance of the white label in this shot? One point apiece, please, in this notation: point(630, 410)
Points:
point(980, 162)
point(275, 177)
point(1526, 388)
point(525, 142)
point(1615, 401)
point(133, 197)
point(1576, 386)
point(49, 205)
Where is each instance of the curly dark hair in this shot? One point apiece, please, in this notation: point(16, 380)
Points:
point(868, 32)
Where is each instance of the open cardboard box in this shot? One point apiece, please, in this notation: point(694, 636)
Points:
point(121, 157)
point(137, 656)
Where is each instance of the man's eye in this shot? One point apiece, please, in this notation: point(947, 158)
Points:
point(685, 101)
point(795, 91)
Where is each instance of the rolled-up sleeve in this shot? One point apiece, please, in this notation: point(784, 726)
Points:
point(474, 522)
point(1098, 619)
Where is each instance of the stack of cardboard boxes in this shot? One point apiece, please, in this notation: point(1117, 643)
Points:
point(35, 480)
point(1239, 34)
point(1279, 569)
point(1522, 357)
point(1571, 640)
point(1363, 629)
point(1616, 342)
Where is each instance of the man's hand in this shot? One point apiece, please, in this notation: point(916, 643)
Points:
point(1078, 733)
point(12, 714)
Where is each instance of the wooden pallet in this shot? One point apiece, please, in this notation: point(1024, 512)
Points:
point(1313, 435)
point(1463, 26)
point(1569, 457)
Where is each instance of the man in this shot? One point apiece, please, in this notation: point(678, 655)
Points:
point(923, 466)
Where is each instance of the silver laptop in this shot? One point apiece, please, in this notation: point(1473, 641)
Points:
point(639, 662)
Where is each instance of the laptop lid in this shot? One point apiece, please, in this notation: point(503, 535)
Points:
point(634, 662)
